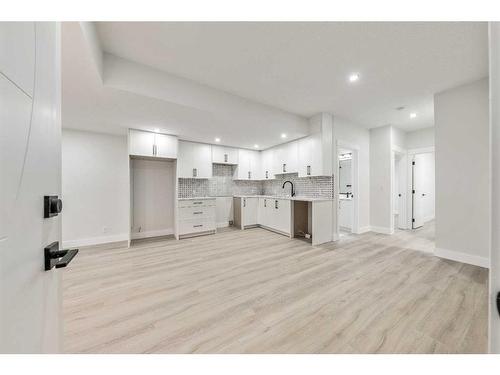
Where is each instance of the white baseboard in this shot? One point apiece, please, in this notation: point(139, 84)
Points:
point(462, 257)
point(224, 224)
point(152, 233)
point(364, 230)
point(382, 230)
point(428, 218)
point(95, 240)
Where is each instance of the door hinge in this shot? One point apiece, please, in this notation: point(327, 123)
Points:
point(413, 191)
point(412, 220)
point(412, 163)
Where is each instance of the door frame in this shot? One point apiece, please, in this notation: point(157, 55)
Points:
point(409, 200)
point(494, 112)
point(355, 186)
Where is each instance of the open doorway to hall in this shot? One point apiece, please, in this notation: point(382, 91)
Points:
point(414, 196)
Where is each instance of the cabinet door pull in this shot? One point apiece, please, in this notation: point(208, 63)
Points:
point(267, 174)
point(225, 158)
point(197, 226)
point(276, 204)
point(308, 170)
point(197, 202)
point(249, 175)
point(195, 172)
point(265, 202)
point(198, 212)
point(284, 167)
point(244, 202)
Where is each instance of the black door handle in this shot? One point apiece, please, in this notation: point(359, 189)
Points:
point(498, 303)
point(57, 258)
point(52, 206)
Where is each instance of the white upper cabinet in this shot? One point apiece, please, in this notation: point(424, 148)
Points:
point(149, 144)
point(285, 158)
point(248, 165)
point(166, 146)
point(194, 160)
point(267, 165)
point(141, 143)
point(311, 156)
point(224, 155)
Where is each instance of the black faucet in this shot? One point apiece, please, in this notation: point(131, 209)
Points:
point(291, 183)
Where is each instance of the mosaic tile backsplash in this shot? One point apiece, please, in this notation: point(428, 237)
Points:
point(223, 185)
point(314, 187)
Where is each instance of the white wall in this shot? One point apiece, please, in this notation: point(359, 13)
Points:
point(462, 173)
point(349, 132)
point(380, 179)
point(153, 185)
point(420, 138)
point(398, 138)
point(95, 188)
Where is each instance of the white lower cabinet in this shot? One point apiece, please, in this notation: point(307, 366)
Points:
point(195, 216)
point(249, 211)
point(275, 214)
point(282, 215)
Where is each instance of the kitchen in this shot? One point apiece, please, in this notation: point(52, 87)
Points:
point(287, 188)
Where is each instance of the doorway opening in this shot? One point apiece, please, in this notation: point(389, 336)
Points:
point(422, 189)
point(347, 189)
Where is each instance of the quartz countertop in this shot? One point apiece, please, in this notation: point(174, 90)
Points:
point(194, 198)
point(296, 198)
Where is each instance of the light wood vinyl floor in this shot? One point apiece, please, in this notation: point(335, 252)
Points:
point(255, 291)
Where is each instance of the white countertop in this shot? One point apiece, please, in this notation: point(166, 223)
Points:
point(296, 198)
point(194, 198)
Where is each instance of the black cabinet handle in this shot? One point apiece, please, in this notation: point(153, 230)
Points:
point(57, 258)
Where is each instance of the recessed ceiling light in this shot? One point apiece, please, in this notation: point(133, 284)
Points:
point(217, 140)
point(256, 146)
point(283, 135)
point(413, 115)
point(354, 77)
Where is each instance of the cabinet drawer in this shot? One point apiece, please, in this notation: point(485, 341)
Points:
point(197, 203)
point(196, 225)
point(196, 212)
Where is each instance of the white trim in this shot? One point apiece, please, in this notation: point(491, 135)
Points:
point(223, 224)
point(364, 230)
point(398, 149)
point(382, 230)
point(422, 150)
point(462, 257)
point(95, 240)
point(152, 233)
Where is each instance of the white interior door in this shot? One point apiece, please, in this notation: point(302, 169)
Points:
point(494, 293)
point(418, 192)
point(400, 192)
point(30, 168)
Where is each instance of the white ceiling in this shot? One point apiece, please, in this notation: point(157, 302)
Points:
point(302, 68)
point(295, 69)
